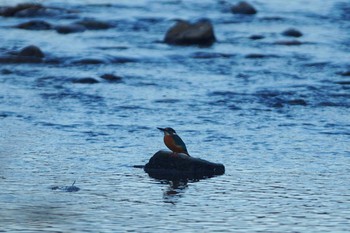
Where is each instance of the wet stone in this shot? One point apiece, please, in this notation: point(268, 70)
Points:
point(85, 81)
point(12, 11)
point(167, 165)
point(186, 33)
point(292, 32)
point(6, 71)
point(297, 102)
point(70, 28)
point(345, 73)
point(256, 37)
point(29, 10)
point(35, 25)
point(92, 24)
point(88, 61)
point(31, 51)
point(111, 77)
point(243, 8)
point(255, 55)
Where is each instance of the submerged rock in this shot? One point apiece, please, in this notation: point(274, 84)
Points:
point(111, 77)
point(243, 8)
point(345, 73)
point(69, 28)
point(292, 32)
point(288, 42)
point(85, 81)
point(31, 51)
point(29, 10)
point(12, 11)
point(6, 71)
point(186, 33)
point(35, 25)
point(29, 54)
point(92, 24)
point(166, 165)
point(256, 37)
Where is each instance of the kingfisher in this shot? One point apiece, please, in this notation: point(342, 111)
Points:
point(173, 141)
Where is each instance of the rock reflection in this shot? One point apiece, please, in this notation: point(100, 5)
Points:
point(174, 191)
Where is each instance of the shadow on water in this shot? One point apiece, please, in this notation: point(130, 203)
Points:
point(174, 191)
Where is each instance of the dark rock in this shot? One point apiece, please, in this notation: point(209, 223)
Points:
point(31, 51)
point(121, 60)
point(185, 33)
point(6, 71)
point(92, 24)
point(35, 25)
point(85, 81)
point(111, 78)
point(297, 102)
point(166, 165)
point(209, 55)
point(20, 59)
point(243, 8)
point(345, 73)
point(292, 33)
point(343, 82)
point(29, 10)
point(256, 37)
point(11, 11)
point(89, 61)
point(288, 42)
point(70, 28)
point(255, 55)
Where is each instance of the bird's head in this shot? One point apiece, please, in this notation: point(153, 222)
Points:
point(167, 131)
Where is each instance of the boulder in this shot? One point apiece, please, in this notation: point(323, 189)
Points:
point(111, 77)
point(167, 165)
point(288, 42)
point(31, 51)
point(30, 10)
point(256, 37)
point(243, 8)
point(345, 73)
point(292, 32)
point(12, 11)
point(69, 28)
point(85, 81)
point(92, 24)
point(35, 25)
point(185, 33)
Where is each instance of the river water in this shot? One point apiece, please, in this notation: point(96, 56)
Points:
point(276, 116)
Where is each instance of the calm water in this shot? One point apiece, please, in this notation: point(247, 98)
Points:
point(280, 124)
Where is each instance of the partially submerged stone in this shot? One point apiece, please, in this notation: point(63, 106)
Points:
point(29, 54)
point(186, 33)
point(31, 51)
point(167, 165)
point(35, 25)
point(243, 8)
point(292, 32)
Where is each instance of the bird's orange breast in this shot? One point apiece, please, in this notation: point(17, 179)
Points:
point(170, 143)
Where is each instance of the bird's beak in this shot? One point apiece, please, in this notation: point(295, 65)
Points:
point(161, 129)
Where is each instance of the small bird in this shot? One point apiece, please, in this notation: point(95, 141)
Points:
point(173, 141)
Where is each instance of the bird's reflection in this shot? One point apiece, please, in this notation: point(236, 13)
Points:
point(174, 191)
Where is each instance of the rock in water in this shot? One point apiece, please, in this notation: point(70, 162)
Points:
point(166, 165)
point(243, 8)
point(31, 51)
point(292, 33)
point(35, 25)
point(185, 33)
